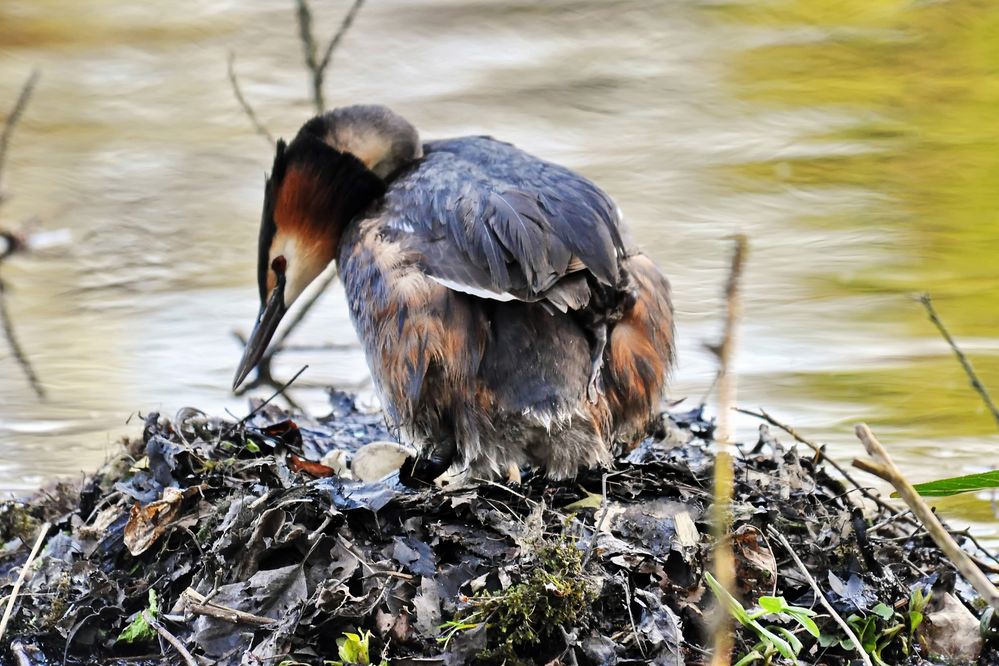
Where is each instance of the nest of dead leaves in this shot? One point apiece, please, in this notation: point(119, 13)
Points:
point(231, 539)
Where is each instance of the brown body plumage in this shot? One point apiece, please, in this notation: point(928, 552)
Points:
point(505, 321)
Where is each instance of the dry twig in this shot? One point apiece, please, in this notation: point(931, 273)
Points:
point(894, 513)
point(200, 605)
point(820, 452)
point(317, 65)
point(884, 467)
point(625, 583)
point(169, 638)
point(9, 611)
point(604, 508)
point(247, 109)
point(280, 391)
point(15, 346)
point(820, 595)
point(5, 319)
point(15, 114)
point(976, 383)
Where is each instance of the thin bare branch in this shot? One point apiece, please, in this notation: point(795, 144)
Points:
point(9, 610)
point(884, 467)
point(348, 21)
point(605, 503)
point(821, 596)
point(976, 383)
point(247, 109)
point(317, 66)
point(199, 604)
point(317, 69)
point(304, 14)
point(169, 638)
point(280, 391)
point(821, 453)
point(15, 114)
point(304, 310)
point(15, 346)
point(11, 241)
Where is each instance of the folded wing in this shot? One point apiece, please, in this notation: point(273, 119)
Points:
point(487, 219)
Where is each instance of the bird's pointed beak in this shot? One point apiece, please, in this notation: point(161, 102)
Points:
point(267, 322)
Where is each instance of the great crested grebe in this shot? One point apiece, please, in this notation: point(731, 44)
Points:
point(504, 320)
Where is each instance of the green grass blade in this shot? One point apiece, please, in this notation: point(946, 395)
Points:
point(959, 484)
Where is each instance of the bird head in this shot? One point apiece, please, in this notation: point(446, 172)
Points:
point(335, 167)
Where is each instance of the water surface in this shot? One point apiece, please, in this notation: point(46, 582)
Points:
point(854, 143)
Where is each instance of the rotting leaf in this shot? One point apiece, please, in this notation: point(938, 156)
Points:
point(686, 531)
point(660, 628)
point(427, 605)
point(852, 595)
point(755, 564)
point(318, 470)
point(347, 495)
point(147, 523)
point(284, 432)
point(414, 555)
point(272, 544)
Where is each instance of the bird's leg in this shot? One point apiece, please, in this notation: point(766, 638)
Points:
point(424, 468)
point(599, 333)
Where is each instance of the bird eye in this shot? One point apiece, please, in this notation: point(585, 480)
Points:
point(279, 265)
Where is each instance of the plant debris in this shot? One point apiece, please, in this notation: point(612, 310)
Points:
point(252, 542)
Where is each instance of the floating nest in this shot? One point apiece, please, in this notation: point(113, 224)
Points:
point(210, 541)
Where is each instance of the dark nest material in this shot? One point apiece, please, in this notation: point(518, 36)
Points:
point(208, 541)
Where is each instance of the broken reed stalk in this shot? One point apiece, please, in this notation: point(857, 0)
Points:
point(884, 468)
point(247, 109)
point(820, 595)
point(726, 349)
point(12, 600)
point(724, 564)
point(317, 65)
point(976, 383)
point(15, 114)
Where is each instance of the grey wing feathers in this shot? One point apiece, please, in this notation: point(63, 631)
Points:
point(489, 219)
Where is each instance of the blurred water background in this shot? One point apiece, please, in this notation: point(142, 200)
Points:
point(855, 142)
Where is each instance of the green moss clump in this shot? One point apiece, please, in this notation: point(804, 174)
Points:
point(16, 522)
point(555, 594)
point(60, 603)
